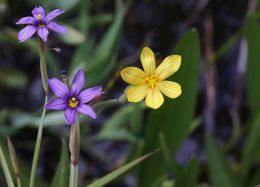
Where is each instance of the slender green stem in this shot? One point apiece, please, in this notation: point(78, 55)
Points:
point(74, 151)
point(73, 175)
point(19, 184)
point(37, 146)
point(43, 67)
point(44, 76)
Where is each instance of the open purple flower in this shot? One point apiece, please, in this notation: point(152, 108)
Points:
point(40, 23)
point(73, 100)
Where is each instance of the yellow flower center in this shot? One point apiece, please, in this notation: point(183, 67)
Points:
point(41, 26)
point(73, 102)
point(152, 81)
point(39, 16)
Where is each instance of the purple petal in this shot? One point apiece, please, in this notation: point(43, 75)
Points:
point(53, 14)
point(43, 33)
point(57, 104)
point(87, 110)
point(78, 82)
point(56, 27)
point(70, 115)
point(59, 88)
point(89, 94)
point(38, 13)
point(26, 33)
point(26, 20)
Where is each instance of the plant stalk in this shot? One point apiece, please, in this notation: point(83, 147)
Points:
point(44, 76)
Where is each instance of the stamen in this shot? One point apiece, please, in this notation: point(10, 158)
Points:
point(73, 102)
point(41, 25)
point(152, 81)
point(39, 16)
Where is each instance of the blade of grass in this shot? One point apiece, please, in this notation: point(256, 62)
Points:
point(111, 176)
point(6, 170)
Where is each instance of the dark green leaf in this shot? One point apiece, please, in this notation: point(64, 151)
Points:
point(175, 116)
point(252, 30)
point(220, 173)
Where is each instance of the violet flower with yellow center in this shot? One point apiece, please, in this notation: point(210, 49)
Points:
point(73, 100)
point(40, 23)
point(150, 83)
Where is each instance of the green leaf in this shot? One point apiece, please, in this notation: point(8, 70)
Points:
point(220, 173)
point(173, 119)
point(6, 169)
point(107, 46)
point(62, 172)
point(252, 30)
point(192, 171)
point(111, 176)
point(113, 129)
point(72, 36)
point(101, 19)
point(251, 147)
point(12, 78)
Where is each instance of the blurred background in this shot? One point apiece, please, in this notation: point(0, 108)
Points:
point(209, 136)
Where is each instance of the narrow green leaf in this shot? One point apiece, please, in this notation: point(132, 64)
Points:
point(111, 176)
point(73, 36)
point(108, 44)
point(251, 147)
point(252, 30)
point(191, 171)
point(61, 176)
point(175, 116)
point(220, 173)
point(8, 79)
point(114, 130)
point(6, 170)
point(101, 19)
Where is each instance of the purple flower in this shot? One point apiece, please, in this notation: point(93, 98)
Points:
point(40, 23)
point(73, 100)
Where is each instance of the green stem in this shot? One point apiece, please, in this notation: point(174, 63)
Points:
point(44, 76)
point(37, 146)
point(74, 151)
point(19, 184)
point(73, 175)
point(43, 67)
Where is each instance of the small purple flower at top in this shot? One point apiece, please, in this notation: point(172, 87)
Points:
point(73, 100)
point(40, 23)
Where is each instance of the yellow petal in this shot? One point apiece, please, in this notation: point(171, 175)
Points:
point(154, 98)
point(136, 93)
point(132, 75)
point(148, 61)
point(170, 89)
point(169, 66)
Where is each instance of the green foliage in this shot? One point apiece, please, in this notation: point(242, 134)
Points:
point(250, 151)
point(191, 171)
point(111, 176)
point(61, 176)
point(252, 30)
point(220, 173)
point(113, 129)
point(6, 169)
point(175, 116)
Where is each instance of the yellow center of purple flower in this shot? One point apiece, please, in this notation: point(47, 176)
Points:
point(73, 102)
point(39, 16)
point(41, 26)
point(152, 81)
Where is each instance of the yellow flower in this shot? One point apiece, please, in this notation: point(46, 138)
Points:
point(151, 82)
